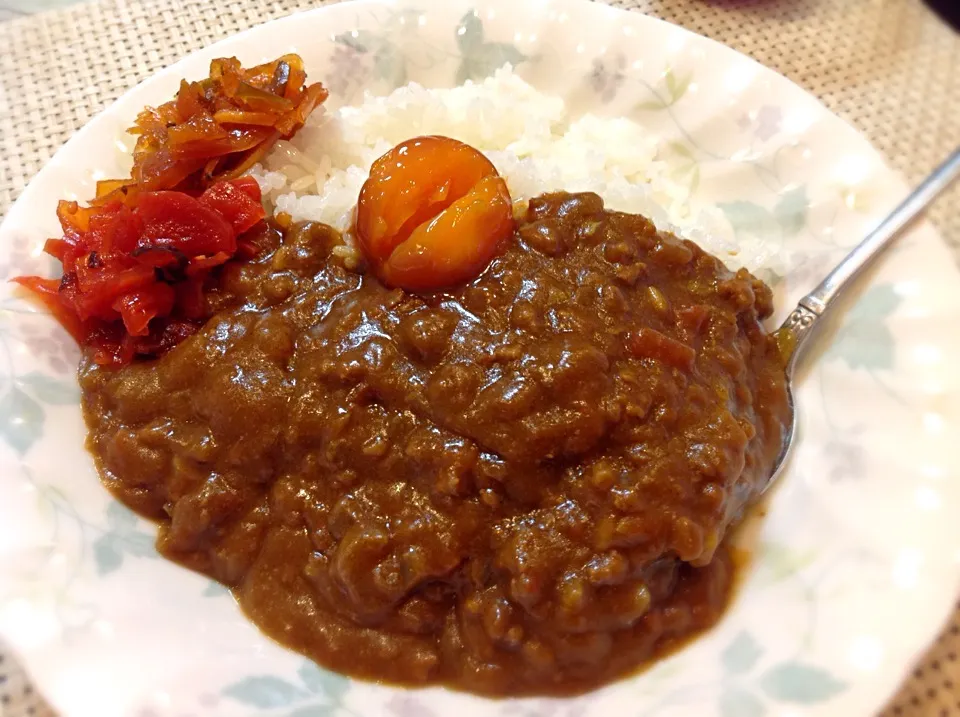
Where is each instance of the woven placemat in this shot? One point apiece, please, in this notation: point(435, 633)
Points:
point(889, 67)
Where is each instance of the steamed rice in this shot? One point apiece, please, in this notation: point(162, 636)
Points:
point(531, 138)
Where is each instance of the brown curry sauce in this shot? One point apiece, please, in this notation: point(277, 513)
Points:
point(518, 486)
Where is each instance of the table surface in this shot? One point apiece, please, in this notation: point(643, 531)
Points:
point(890, 67)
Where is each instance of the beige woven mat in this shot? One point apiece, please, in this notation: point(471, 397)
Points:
point(887, 66)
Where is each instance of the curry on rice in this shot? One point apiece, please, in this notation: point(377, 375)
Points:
point(492, 447)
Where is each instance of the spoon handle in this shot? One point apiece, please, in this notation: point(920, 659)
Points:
point(811, 307)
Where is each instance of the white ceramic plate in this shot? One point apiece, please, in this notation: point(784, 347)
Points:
point(857, 562)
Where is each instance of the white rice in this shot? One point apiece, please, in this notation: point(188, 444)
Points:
point(530, 137)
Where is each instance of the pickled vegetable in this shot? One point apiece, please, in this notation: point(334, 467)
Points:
point(432, 214)
point(137, 259)
point(216, 128)
point(133, 276)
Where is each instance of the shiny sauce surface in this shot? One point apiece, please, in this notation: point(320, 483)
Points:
point(518, 486)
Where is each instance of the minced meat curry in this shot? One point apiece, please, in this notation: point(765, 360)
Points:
point(517, 486)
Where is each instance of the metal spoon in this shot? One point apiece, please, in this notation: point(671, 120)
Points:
point(801, 325)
